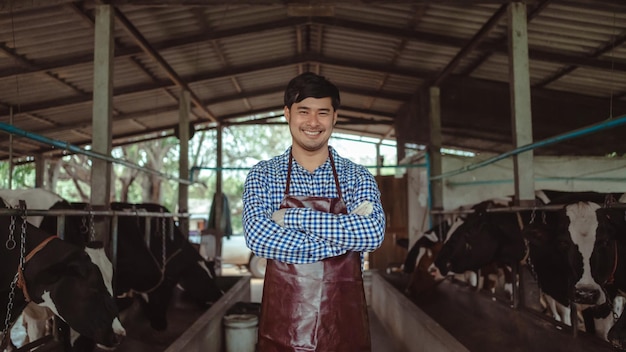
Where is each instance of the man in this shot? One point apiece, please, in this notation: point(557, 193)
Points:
point(312, 214)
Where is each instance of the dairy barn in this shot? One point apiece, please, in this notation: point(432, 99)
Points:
point(505, 206)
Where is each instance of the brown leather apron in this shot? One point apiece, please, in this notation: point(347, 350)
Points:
point(319, 306)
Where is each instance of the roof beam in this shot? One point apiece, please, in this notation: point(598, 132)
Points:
point(219, 74)
point(471, 45)
point(169, 71)
point(204, 3)
point(614, 65)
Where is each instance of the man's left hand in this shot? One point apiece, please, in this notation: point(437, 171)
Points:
point(279, 217)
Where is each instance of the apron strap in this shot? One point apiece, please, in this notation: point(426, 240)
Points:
point(332, 164)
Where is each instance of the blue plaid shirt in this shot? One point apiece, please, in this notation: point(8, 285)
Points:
point(308, 235)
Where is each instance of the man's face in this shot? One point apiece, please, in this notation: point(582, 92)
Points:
point(311, 123)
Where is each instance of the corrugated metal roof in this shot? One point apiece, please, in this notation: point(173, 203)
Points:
point(237, 57)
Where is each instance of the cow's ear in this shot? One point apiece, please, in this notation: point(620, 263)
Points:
point(537, 234)
point(75, 267)
point(616, 218)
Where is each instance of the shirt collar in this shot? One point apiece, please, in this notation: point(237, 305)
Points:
point(325, 165)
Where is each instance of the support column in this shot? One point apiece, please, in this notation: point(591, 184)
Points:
point(434, 148)
point(183, 163)
point(521, 118)
point(219, 234)
point(101, 170)
point(40, 169)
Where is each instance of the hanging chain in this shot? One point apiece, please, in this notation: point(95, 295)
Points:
point(92, 235)
point(7, 319)
point(84, 229)
point(10, 244)
point(163, 239)
point(83, 226)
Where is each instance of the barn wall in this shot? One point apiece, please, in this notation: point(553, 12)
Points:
point(556, 173)
point(393, 191)
point(597, 174)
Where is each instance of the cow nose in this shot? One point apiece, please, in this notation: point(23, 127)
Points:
point(586, 295)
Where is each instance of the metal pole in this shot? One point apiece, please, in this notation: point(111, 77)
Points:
point(194, 169)
point(74, 149)
point(549, 141)
point(11, 149)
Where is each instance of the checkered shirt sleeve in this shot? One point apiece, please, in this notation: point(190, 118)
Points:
point(308, 235)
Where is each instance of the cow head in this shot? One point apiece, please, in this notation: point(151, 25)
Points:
point(62, 277)
point(482, 238)
point(545, 259)
point(467, 246)
point(587, 235)
point(421, 281)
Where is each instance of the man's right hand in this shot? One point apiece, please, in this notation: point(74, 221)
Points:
point(364, 209)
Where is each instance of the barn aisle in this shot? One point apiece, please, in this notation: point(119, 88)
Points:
point(484, 325)
point(382, 341)
point(142, 338)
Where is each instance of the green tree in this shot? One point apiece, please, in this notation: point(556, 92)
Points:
point(243, 147)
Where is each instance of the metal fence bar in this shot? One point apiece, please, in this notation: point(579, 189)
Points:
point(66, 212)
point(75, 149)
point(513, 209)
point(559, 138)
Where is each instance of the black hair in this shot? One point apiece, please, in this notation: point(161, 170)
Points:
point(310, 85)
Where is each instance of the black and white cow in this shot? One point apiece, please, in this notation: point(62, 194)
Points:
point(182, 265)
point(38, 318)
point(140, 271)
point(422, 253)
point(592, 236)
point(57, 275)
point(489, 236)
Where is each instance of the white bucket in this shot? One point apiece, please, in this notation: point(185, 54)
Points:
point(241, 332)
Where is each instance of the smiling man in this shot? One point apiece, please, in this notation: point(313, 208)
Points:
point(312, 214)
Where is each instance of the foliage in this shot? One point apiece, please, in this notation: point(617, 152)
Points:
point(23, 176)
point(243, 147)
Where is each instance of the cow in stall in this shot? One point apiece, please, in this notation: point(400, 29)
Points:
point(426, 249)
point(422, 254)
point(591, 235)
point(183, 266)
point(38, 319)
point(57, 275)
point(140, 270)
point(515, 237)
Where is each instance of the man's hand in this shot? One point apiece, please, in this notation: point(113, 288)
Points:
point(279, 217)
point(365, 208)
